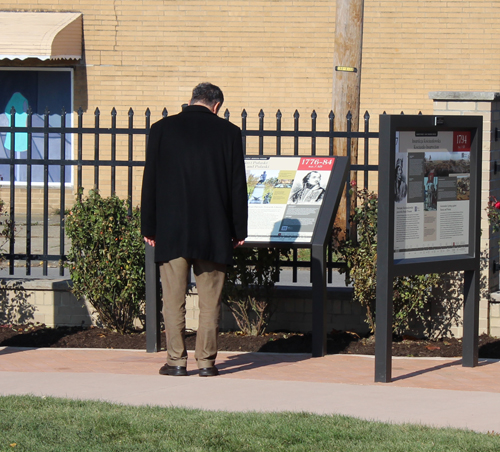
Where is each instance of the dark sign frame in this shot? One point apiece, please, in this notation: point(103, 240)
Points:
point(318, 244)
point(388, 267)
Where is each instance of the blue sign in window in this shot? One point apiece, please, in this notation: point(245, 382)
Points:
point(40, 90)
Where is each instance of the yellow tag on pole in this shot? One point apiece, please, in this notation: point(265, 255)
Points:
point(346, 69)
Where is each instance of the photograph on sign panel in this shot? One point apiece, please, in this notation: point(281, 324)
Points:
point(400, 185)
point(261, 185)
point(430, 193)
point(452, 171)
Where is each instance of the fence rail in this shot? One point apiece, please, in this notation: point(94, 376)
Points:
point(69, 142)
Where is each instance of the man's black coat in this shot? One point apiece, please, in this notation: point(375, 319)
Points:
point(194, 197)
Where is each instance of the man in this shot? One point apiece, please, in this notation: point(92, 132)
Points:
point(400, 187)
point(194, 211)
point(311, 190)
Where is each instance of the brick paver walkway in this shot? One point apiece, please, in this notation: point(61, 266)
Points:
point(437, 392)
point(435, 373)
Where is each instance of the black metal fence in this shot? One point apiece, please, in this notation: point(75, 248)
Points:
point(121, 155)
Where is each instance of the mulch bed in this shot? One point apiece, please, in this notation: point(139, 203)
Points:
point(282, 342)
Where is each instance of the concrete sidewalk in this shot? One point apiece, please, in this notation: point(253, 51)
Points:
point(435, 391)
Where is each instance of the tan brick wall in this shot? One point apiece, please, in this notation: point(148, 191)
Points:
point(460, 103)
point(495, 319)
point(44, 301)
point(273, 55)
point(277, 54)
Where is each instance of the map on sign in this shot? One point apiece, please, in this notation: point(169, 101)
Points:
point(432, 193)
point(285, 195)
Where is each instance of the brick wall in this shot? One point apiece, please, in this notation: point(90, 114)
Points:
point(45, 301)
point(273, 55)
point(485, 104)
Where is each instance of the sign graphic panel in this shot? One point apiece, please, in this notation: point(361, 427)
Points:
point(285, 196)
point(432, 193)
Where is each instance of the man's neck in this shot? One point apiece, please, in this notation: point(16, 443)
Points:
point(214, 109)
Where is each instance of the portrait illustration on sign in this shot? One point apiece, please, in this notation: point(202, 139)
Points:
point(307, 189)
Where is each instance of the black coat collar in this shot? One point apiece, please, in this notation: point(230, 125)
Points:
point(196, 109)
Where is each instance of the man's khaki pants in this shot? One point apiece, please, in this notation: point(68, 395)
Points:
point(209, 278)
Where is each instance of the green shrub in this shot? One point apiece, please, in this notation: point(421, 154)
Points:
point(493, 211)
point(411, 293)
point(106, 259)
point(7, 229)
point(249, 288)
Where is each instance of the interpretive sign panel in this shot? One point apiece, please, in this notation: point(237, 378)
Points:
point(285, 196)
point(432, 193)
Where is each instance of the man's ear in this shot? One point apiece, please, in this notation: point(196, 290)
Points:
point(216, 107)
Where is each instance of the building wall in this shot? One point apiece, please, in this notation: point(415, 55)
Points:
point(276, 54)
point(273, 55)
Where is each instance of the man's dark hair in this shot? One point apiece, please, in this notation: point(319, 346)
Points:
point(208, 94)
point(306, 178)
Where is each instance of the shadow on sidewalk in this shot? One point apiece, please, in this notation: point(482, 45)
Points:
point(249, 361)
point(10, 350)
point(458, 362)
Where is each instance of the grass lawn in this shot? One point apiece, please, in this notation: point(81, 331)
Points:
point(47, 424)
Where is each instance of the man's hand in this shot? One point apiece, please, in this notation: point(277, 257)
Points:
point(150, 241)
point(237, 243)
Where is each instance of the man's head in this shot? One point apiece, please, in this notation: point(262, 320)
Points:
point(207, 95)
point(312, 178)
point(399, 169)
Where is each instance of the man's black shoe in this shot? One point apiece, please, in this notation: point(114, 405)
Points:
point(209, 372)
point(174, 371)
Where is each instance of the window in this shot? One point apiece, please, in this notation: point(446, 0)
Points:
point(38, 89)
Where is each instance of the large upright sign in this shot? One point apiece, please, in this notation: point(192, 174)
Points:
point(428, 215)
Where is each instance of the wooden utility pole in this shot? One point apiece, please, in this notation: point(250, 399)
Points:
point(347, 78)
